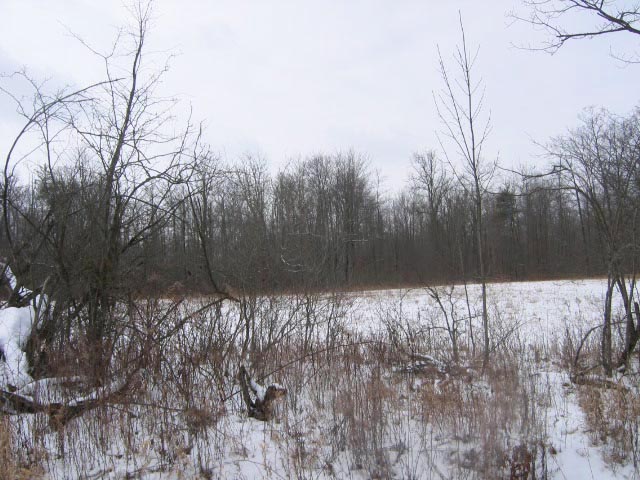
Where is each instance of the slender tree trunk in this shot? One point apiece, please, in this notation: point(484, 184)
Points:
point(483, 278)
point(631, 332)
point(606, 328)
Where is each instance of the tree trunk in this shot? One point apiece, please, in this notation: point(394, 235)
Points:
point(606, 329)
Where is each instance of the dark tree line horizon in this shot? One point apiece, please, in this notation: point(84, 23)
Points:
point(321, 223)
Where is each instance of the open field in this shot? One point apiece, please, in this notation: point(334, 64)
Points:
point(372, 392)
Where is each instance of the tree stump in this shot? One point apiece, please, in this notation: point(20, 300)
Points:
point(258, 399)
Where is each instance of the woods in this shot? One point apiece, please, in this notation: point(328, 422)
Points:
point(323, 222)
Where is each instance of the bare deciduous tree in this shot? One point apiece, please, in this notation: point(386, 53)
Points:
point(432, 183)
point(107, 168)
point(466, 127)
point(600, 162)
point(567, 20)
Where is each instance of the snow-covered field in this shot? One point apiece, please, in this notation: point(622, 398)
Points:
point(372, 392)
point(541, 309)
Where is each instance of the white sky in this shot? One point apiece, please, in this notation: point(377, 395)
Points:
point(289, 78)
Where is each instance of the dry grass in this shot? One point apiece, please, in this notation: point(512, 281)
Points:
point(351, 409)
point(14, 464)
point(613, 417)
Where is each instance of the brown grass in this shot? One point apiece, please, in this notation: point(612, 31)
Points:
point(350, 407)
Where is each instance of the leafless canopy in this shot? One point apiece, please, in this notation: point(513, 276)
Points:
point(578, 19)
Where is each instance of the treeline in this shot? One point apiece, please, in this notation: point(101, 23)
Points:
point(323, 222)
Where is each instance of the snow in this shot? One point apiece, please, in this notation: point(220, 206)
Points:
point(15, 327)
point(259, 390)
point(307, 439)
point(568, 431)
point(50, 390)
point(542, 306)
point(98, 393)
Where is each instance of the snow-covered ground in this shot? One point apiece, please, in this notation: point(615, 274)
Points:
point(540, 309)
point(350, 412)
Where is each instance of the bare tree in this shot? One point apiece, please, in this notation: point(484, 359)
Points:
point(352, 192)
point(567, 20)
point(207, 179)
point(107, 170)
point(432, 183)
point(460, 105)
point(600, 162)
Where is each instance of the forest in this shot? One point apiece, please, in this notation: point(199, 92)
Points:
point(324, 222)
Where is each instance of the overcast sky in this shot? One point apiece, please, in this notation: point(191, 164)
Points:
point(286, 79)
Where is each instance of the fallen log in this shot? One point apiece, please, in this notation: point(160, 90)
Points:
point(60, 413)
point(596, 381)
